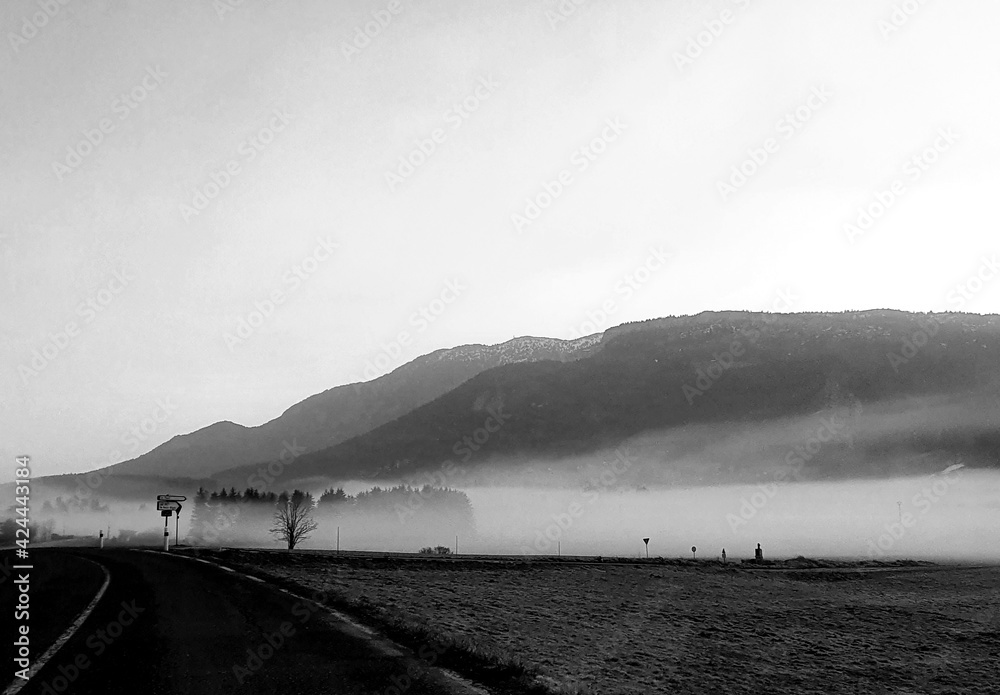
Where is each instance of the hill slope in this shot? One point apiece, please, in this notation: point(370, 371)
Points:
point(713, 369)
point(343, 412)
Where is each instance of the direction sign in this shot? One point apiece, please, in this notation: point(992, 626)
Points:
point(171, 498)
point(168, 506)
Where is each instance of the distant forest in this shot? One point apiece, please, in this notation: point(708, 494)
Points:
point(37, 532)
point(407, 514)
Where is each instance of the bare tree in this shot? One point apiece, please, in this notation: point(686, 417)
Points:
point(293, 520)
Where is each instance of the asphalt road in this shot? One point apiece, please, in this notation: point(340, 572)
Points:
point(173, 625)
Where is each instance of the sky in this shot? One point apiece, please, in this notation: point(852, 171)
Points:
point(213, 210)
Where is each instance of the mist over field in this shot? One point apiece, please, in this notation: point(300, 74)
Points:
point(945, 516)
point(906, 479)
point(941, 516)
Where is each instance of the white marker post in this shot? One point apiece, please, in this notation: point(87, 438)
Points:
point(167, 505)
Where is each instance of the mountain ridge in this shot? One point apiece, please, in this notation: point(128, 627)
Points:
point(657, 375)
point(307, 423)
point(577, 397)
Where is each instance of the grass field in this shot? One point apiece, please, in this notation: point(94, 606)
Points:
point(678, 627)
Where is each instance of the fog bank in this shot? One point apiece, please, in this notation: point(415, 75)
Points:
point(940, 516)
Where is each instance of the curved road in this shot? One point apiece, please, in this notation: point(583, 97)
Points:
point(169, 625)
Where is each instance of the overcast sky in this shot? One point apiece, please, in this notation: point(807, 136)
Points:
point(238, 152)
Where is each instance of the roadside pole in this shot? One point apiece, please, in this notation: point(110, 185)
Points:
point(167, 505)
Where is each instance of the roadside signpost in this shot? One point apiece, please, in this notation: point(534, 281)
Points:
point(167, 505)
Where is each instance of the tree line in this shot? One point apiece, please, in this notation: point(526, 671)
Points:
point(228, 516)
point(73, 505)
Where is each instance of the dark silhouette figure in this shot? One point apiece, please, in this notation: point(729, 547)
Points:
point(758, 554)
point(723, 556)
